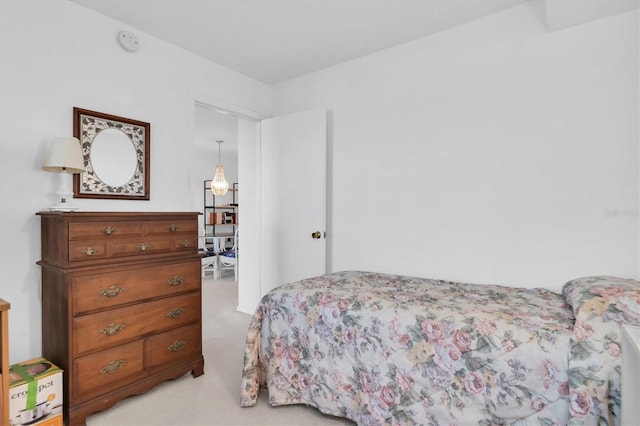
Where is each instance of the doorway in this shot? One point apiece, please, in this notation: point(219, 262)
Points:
point(216, 139)
point(239, 157)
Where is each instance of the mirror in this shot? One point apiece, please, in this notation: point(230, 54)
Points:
point(113, 157)
point(116, 156)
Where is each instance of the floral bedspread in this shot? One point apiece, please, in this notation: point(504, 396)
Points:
point(388, 349)
point(600, 305)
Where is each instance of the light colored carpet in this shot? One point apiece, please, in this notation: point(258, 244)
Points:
point(213, 398)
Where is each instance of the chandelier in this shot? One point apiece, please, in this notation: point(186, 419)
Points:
point(219, 185)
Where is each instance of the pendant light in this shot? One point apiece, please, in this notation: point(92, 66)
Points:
point(219, 185)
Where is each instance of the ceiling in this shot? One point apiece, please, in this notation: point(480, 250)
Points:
point(276, 40)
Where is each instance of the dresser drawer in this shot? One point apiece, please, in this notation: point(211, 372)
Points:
point(186, 243)
point(139, 246)
point(86, 250)
point(109, 290)
point(161, 227)
point(106, 329)
point(175, 345)
point(120, 365)
point(79, 230)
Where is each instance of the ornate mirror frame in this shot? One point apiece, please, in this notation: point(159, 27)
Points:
point(87, 125)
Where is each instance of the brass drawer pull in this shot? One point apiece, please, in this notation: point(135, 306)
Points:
point(173, 228)
point(112, 291)
point(175, 280)
point(176, 313)
point(109, 230)
point(176, 346)
point(112, 329)
point(113, 366)
point(186, 243)
point(89, 251)
point(144, 246)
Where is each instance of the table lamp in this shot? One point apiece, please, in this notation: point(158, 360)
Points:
point(64, 155)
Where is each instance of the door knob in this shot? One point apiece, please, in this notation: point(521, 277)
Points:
point(316, 235)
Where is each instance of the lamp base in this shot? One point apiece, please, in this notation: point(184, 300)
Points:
point(63, 206)
point(64, 194)
point(62, 209)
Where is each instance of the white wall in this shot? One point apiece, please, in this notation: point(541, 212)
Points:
point(491, 152)
point(54, 55)
point(249, 173)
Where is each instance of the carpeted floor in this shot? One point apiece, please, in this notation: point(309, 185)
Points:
point(211, 399)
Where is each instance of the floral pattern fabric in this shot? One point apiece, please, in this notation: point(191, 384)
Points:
point(388, 349)
point(601, 304)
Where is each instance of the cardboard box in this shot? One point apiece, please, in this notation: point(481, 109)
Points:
point(35, 393)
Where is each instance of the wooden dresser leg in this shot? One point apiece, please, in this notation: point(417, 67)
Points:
point(76, 419)
point(198, 369)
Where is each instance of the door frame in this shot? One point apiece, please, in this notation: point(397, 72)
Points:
point(244, 288)
point(249, 295)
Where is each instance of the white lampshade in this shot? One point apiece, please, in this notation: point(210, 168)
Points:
point(64, 155)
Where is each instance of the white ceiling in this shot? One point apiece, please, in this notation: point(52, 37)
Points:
point(276, 40)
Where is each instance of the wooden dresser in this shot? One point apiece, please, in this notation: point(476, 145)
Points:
point(121, 303)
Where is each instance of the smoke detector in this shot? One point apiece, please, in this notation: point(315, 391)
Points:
point(128, 41)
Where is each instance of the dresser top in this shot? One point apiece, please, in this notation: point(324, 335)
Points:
point(80, 214)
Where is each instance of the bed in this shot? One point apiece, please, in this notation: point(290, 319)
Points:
point(389, 349)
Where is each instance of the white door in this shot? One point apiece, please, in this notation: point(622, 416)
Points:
point(293, 197)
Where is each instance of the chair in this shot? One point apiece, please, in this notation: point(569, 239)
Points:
point(209, 263)
point(209, 256)
point(228, 259)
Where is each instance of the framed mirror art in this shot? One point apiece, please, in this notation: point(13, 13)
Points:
point(116, 156)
